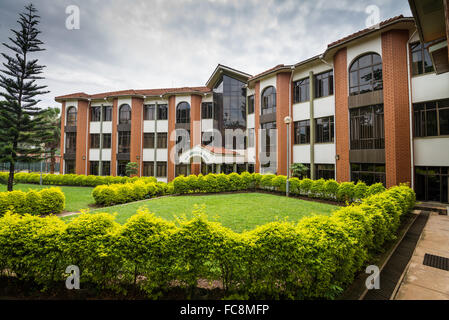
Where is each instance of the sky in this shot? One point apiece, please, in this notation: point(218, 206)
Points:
point(146, 44)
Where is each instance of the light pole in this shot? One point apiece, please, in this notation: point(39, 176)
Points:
point(288, 121)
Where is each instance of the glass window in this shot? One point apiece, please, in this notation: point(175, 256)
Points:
point(124, 141)
point(148, 169)
point(365, 74)
point(107, 113)
point(431, 118)
point(324, 128)
point(251, 138)
point(301, 90)
point(251, 104)
point(207, 110)
point(162, 142)
point(70, 142)
point(149, 112)
point(70, 167)
point(369, 173)
point(269, 100)
point(183, 113)
point(161, 169)
point(302, 132)
point(367, 128)
point(95, 141)
point(106, 168)
point(71, 117)
point(324, 84)
point(121, 168)
point(162, 112)
point(325, 171)
point(95, 114)
point(421, 62)
point(182, 169)
point(125, 114)
point(148, 140)
point(94, 166)
point(106, 141)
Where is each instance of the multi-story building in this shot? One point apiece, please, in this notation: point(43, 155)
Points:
point(373, 107)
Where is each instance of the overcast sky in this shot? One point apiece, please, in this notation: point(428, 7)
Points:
point(142, 44)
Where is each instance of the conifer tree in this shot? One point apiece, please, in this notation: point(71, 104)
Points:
point(23, 132)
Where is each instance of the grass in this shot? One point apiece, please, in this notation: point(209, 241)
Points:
point(76, 198)
point(239, 212)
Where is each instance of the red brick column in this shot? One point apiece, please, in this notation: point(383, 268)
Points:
point(62, 143)
point(282, 111)
point(396, 107)
point(81, 136)
point(195, 129)
point(171, 137)
point(114, 137)
point(136, 132)
point(342, 115)
point(257, 124)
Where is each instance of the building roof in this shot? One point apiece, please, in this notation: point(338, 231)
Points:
point(277, 68)
point(228, 70)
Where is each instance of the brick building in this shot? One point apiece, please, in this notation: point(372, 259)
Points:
point(373, 107)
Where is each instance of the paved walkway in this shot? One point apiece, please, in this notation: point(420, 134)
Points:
point(421, 282)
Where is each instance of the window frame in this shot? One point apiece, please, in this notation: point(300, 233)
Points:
point(358, 133)
point(149, 112)
point(94, 140)
point(374, 172)
point(268, 101)
point(422, 50)
point(251, 102)
point(327, 76)
point(121, 136)
point(162, 112)
point(72, 122)
point(423, 114)
point(183, 116)
point(331, 130)
point(357, 69)
point(297, 125)
point(122, 113)
point(95, 114)
point(300, 86)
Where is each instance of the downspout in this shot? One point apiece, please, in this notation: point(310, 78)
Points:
point(87, 135)
point(100, 156)
point(312, 125)
point(156, 113)
point(410, 105)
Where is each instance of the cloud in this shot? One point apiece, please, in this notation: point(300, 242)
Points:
point(163, 43)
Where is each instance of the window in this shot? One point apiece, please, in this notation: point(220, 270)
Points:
point(182, 169)
point(367, 128)
point(121, 168)
point(432, 184)
point(421, 62)
point(148, 169)
point(148, 140)
point(161, 169)
point(324, 84)
point(368, 172)
point(95, 141)
point(324, 128)
point(94, 166)
point(125, 114)
point(162, 112)
point(95, 114)
point(149, 112)
point(251, 138)
point(106, 168)
point(183, 113)
point(301, 90)
point(251, 104)
point(302, 132)
point(70, 142)
point(71, 117)
point(124, 141)
point(269, 100)
point(107, 113)
point(207, 110)
point(365, 74)
point(106, 141)
point(70, 167)
point(325, 171)
point(431, 118)
point(269, 138)
point(162, 141)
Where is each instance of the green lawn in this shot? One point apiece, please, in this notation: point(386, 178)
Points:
point(239, 212)
point(76, 198)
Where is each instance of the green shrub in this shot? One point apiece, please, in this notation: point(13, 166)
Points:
point(345, 192)
point(279, 183)
point(375, 189)
point(331, 189)
point(360, 190)
point(317, 189)
point(305, 186)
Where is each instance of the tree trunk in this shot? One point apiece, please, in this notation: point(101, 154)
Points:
point(11, 176)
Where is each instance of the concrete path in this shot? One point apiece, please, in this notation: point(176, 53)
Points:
point(422, 282)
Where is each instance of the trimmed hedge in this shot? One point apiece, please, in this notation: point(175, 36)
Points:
point(71, 179)
point(45, 201)
point(313, 259)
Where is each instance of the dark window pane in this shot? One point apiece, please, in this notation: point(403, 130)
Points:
point(125, 114)
point(148, 140)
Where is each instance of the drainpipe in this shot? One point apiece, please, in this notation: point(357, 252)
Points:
point(410, 105)
point(155, 139)
point(312, 126)
point(87, 136)
point(100, 157)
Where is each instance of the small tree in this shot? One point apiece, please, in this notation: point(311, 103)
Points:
point(131, 169)
point(22, 130)
point(52, 116)
point(299, 170)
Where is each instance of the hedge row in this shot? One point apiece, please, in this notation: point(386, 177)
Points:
point(323, 189)
point(316, 258)
point(108, 195)
point(45, 201)
point(71, 179)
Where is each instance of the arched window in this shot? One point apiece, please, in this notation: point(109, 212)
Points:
point(71, 116)
point(269, 100)
point(125, 114)
point(365, 74)
point(183, 113)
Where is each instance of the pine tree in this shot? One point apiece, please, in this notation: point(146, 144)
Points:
point(23, 131)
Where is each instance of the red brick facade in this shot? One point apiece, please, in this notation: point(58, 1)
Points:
point(195, 128)
point(114, 137)
point(137, 132)
point(257, 124)
point(171, 137)
point(282, 111)
point(82, 137)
